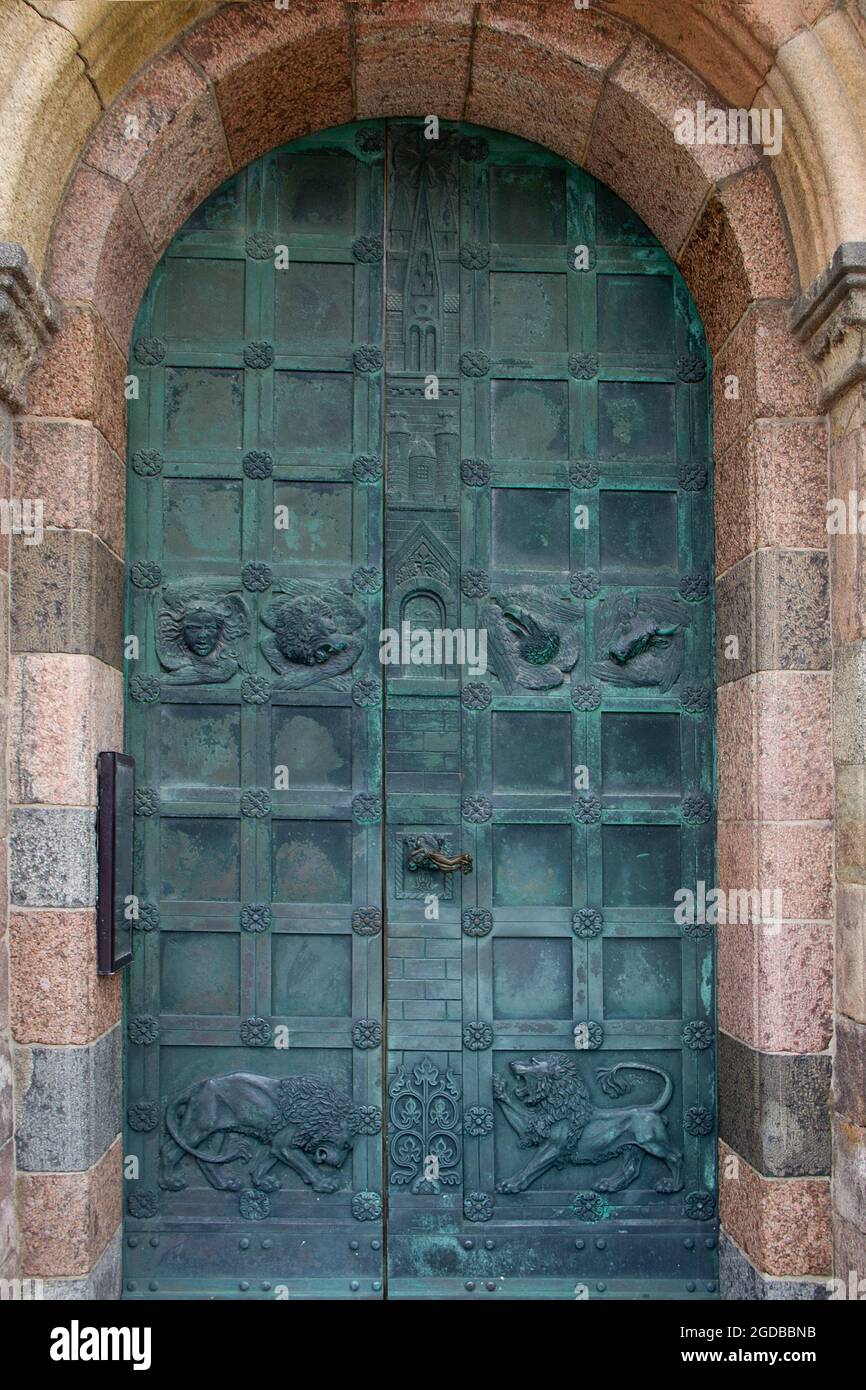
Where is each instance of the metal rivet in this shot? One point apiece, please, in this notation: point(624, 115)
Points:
point(490, 1245)
point(710, 1243)
point(375, 1245)
point(154, 1240)
point(579, 1243)
point(491, 1286)
point(353, 1245)
point(601, 1286)
point(244, 1243)
point(132, 1242)
point(601, 1245)
point(267, 1244)
point(469, 1245)
point(266, 1285)
point(690, 1286)
point(377, 1284)
point(711, 1288)
point(131, 1285)
point(153, 1286)
point(243, 1286)
point(354, 1286)
point(469, 1285)
point(689, 1243)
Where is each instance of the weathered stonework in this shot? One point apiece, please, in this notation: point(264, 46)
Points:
point(27, 320)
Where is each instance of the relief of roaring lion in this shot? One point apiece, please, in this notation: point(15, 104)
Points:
point(300, 1121)
point(551, 1112)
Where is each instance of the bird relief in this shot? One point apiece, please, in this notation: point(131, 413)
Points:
point(533, 635)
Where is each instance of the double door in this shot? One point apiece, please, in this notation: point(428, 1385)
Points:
point(419, 560)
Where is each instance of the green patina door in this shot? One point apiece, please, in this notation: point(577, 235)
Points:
point(446, 401)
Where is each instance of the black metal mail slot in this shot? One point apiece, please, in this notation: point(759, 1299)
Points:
point(115, 903)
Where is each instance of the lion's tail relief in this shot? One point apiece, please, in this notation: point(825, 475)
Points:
point(174, 1114)
point(612, 1085)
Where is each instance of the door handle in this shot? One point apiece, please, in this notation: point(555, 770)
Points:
point(431, 852)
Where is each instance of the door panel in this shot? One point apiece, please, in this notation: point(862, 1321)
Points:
point(552, 986)
point(254, 1002)
point(433, 388)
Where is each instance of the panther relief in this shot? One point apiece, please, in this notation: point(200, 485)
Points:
point(299, 1121)
point(551, 1112)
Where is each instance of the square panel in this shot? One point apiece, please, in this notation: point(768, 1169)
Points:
point(640, 755)
point(199, 973)
point(638, 530)
point(204, 407)
point(312, 861)
point(313, 310)
point(531, 752)
point(204, 300)
point(527, 205)
point(635, 420)
point(201, 519)
point(532, 865)
point(311, 976)
point(635, 314)
point(200, 745)
point(313, 410)
point(316, 525)
point(530, 528)
point(200, 859)
point(532, 978)
point(642, 977)
point(530, 419)
point(528, 311)
point(314, 744)
point(640, 865)
point(315, 193)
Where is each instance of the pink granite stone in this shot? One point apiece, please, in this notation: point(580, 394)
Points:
point(99, 252)
point(794, 755)
point(737, 750)
point(80, 700)
point(782, 1224)
point(769, 371)
point(278, 73)
point(67, 1219)
point(79, 478)
point(164, 138)
point(737, 253)
point(412, 58)
point(81, 375)
point(57, 997)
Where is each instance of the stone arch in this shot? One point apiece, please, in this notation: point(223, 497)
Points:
point(207, 93)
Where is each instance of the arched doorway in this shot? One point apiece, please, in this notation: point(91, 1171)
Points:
point(376, 364)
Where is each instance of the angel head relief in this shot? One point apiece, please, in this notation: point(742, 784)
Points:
point(199, 630)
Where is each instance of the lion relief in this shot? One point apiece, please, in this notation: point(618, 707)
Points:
point(298, 1121)
point(551, 1112)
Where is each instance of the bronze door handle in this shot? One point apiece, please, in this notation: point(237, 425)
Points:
point(430, 852)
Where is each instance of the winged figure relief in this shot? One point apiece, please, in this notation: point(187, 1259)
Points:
point(312, 626)
point(533, 635)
